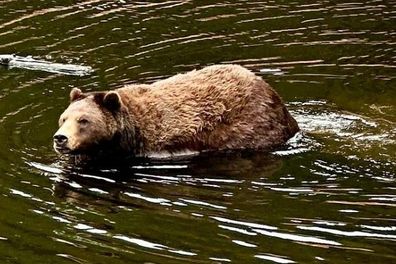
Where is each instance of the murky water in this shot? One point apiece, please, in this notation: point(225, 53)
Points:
point(329, 197)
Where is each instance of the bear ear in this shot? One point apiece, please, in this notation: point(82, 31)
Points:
point(112, 101)
point(75, 94)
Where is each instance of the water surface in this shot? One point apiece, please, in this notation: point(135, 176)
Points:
point(327, 197)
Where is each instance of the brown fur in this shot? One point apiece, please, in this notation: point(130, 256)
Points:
point(222, 107)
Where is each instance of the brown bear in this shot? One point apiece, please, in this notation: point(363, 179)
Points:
point(220, 107)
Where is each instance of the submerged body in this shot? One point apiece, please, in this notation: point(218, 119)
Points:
point(221, 107)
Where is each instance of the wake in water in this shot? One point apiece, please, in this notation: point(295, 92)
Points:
point(339, 132)
point(13, 61)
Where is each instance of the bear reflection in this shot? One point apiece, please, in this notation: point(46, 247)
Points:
point(152, 183)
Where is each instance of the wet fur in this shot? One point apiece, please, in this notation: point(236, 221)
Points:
point(222, 107)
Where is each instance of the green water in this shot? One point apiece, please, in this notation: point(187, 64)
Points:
point(330, 197)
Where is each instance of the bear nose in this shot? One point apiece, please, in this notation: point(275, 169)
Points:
point(60, 139)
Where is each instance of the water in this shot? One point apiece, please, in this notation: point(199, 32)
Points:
point(12, 61)
point(328, 197)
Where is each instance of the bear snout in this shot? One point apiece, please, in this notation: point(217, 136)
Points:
point(60, 140)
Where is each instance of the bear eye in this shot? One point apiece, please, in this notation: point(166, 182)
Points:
point(83, 121)
point(62, 120)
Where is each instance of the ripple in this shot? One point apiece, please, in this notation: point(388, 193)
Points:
point(45, 168)
point(45, 12)
point(276, 259)
point(146, 244)
point(297, 238)
point(346, 233)
point(160, 201)
point(194, 202)
point(329, 192)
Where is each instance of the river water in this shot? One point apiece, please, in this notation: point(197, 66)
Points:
point(327, 197)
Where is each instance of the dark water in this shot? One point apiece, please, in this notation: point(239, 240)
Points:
point(329, 198)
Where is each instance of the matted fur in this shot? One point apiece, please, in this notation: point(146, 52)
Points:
point(221, 107)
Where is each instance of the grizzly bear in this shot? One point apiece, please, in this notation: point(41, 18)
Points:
point(217, 108)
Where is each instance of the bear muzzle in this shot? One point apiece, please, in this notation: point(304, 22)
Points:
point(60, 143)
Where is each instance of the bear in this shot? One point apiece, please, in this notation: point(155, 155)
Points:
point(217, 108)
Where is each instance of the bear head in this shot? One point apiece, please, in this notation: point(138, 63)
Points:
point(92, 123)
